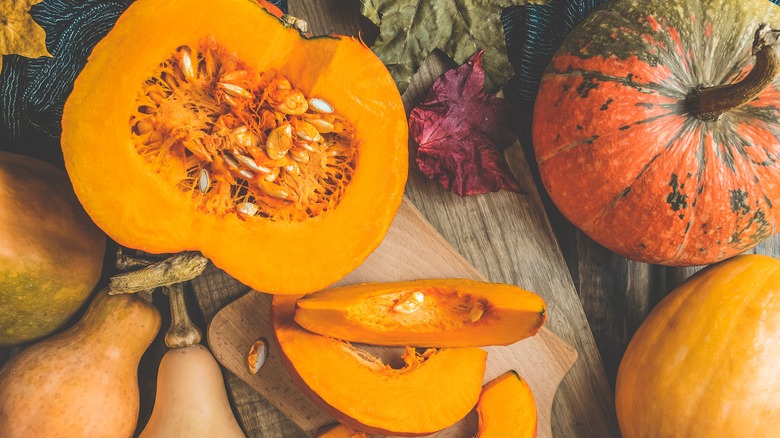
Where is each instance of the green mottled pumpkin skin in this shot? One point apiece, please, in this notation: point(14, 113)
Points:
point(51, 254)
point(622, 157)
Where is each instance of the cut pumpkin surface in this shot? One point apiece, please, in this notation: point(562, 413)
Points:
point(431, 313)
point(506, 407)
point(433, 390)
point(227, 132)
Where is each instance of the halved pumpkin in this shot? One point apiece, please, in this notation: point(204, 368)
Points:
point(209, 125)
point(431, 313)
point(432, 391)
point(507, 406)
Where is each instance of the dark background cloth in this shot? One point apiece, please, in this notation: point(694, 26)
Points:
point(33, 91)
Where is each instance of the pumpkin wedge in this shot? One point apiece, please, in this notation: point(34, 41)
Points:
point(507, 404)
point(432, 391)
point(339, 431)
point(281, 158)
point(431, 313)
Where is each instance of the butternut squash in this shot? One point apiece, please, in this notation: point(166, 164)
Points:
point(191, 400)
point(82, 382)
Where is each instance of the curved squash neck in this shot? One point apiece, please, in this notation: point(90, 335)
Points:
point(708, 103)
point(182, 332)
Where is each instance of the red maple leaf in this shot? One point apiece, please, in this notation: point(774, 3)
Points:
point(462, 132)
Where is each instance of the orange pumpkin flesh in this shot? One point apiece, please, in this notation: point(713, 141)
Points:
point(431, 392)
point(431, 313)
point(704, 362)
point(199, 138)
point(340, 431)
point(507, 404)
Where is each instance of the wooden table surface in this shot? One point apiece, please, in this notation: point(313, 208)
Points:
point(616, 294)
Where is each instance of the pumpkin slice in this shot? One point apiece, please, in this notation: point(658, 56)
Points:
point(340, 431)
point(432, 391)
point(507, 404)
point(432, 313)
point(281, 158)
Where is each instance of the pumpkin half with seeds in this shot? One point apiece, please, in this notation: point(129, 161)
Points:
point(282, 158)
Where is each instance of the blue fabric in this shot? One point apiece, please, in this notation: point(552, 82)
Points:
point(33, 91)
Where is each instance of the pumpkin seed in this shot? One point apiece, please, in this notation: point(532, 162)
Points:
point(246, 174)
point(234, 90)
point(320, 105)
point(410, 305)
point(203, 180)
point(231, 162)
point(275, 191)
point(257, 355)
point(143, 126)
point(247, 208)
point(307, 131)
point(235, 76)
point(476, 312)
point(185, 63)
point(250, 163)
point(279, 142)
point(169, 80)
point(293, 103)
point(323, 126)
point(156, 97)
point(299, 155)
point(271, 177)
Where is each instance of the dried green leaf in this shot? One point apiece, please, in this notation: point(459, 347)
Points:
point(19, 34)
point(409, 30)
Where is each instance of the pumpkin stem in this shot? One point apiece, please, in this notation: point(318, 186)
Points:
point(708, 103)
point(182, 332)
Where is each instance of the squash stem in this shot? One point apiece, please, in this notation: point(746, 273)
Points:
point(182, 332)
point(708, 103)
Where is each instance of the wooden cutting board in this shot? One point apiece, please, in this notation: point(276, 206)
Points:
point(411, 250)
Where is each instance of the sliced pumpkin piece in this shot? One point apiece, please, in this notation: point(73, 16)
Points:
point(431, 313)
point(228, 132)
point(507, 404)
point(340, 431)
point(431, 391)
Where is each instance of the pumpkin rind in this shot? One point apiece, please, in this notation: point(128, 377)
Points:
point(624, 160)
point(51, 254)
point(507, 404)
point(704, 362)
point(419, 399)
point(139, 210)
point(450, 313)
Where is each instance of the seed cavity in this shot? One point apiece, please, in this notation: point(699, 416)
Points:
point(242, 141)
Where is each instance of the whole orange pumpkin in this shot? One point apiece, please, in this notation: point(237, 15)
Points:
point(656, 128)
point(704, 362)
